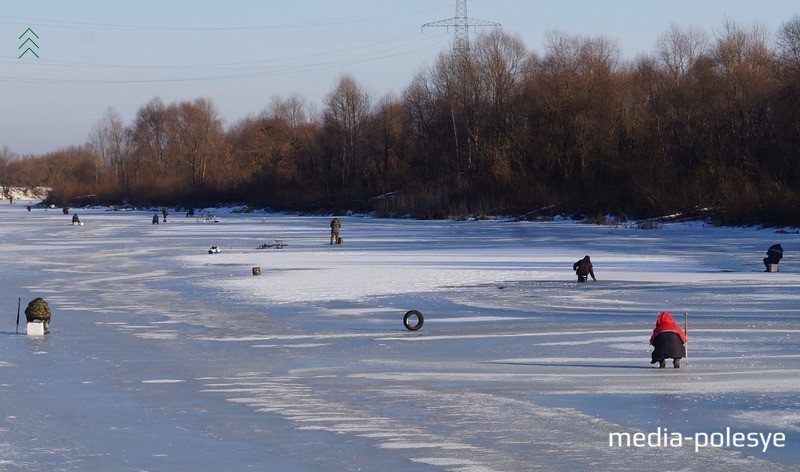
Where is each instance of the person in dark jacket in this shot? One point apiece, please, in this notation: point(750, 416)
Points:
point(774, 255)
point(668, 341)
point(584, 269)
point(155, 219)
point(75, 220)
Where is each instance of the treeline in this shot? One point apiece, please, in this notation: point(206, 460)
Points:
point(702, 122)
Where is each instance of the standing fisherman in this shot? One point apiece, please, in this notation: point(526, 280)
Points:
point(335, 227)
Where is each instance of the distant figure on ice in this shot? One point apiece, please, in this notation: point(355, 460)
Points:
point(668, 341)
point(155, 219)
point(165, 213)
point(584, 269)
point(774, 255)
point(76, 220)
point(65, 210)
point(29, 207)
point(335, 227)
point(190, 213)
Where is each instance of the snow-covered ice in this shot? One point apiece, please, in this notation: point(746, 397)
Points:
point(165, 357)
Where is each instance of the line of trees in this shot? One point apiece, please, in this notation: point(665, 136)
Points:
point(703, 121)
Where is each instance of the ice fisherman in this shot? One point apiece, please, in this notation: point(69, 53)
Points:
point(165, 213)
point(335, 227)
point(668, 341)
point(155, 218)
point(75, 220)
point(584, 269)
point(774, 255)
point(38, 310)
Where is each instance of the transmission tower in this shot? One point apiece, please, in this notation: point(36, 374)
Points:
point(460, 23)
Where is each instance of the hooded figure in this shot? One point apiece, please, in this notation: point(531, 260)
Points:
point(336, 226)
point(668, 342)
point(774, 255)
point(584, 269)
point(38, 310)
point(155, 219)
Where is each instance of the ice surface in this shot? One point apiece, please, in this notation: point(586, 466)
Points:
point(164, 357)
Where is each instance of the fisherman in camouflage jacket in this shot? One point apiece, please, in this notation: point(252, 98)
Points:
point(38, 310)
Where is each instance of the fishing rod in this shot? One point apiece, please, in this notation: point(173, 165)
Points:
point(19, 302)
point(686, 332)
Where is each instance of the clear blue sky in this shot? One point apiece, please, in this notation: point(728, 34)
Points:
point(96, 54)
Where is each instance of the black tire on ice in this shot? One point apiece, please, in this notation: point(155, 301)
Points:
point(407, 320)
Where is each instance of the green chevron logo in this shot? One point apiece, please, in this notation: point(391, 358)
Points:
point(29, 34)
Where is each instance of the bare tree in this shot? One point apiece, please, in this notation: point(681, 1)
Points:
point(151, 138)
point(577, 89)
point(388, 137)
point(347, 108)
point(198, 142)
point(744, 62)
point(678, 49)
point(788, 39)
point(295, 110)
point(502, 62)
point(6, 155)
point(111, 140)
point(738, 47)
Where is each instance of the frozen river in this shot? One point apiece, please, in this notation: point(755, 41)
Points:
point(164, 357)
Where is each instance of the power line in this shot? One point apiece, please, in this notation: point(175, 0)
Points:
point(360, 18)
point(385, 46)
point(258, 67)
point(256, 72)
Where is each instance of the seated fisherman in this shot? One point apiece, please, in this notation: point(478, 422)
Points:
point(774, 255)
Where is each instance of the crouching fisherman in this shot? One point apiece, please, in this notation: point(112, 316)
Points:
point(668, 341)
point(583, 268)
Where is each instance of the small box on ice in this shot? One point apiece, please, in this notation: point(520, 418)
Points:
point(35, 328)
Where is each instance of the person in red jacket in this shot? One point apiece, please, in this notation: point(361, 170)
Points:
point(668, 341)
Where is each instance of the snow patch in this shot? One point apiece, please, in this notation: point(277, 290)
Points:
point(779, 420)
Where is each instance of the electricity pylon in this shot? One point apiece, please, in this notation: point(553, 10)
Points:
point(460, 23)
